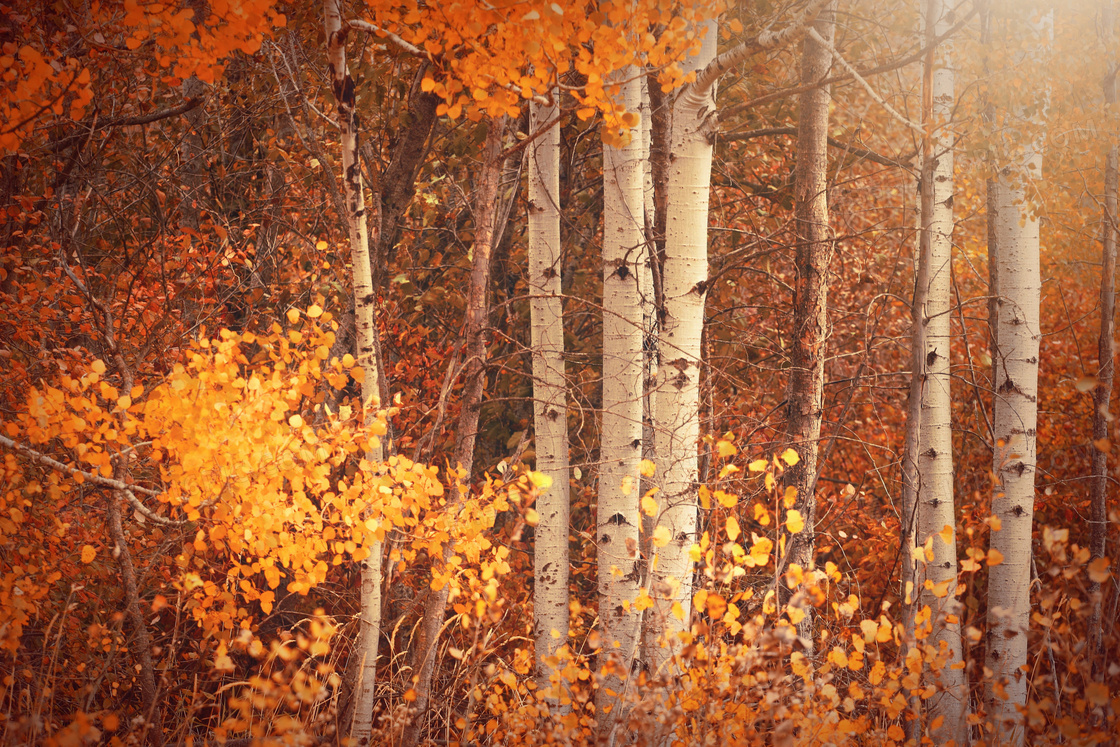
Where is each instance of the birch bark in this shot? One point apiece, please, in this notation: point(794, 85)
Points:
point(550, 408)
point(684, 278)
point(364, 670)
point(618, 519)
point(677, 421)
point(1016, 396)
point(936, 515)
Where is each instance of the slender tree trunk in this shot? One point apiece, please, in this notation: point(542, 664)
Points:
point(142, 650)
point(363, 669)
point(936, 515)
point(684, 288)
point(1016, 397)
point(1106, 353)
point(486, 216)
point(813, 255)
point(550, 398)
point(620, 442)
point(677, 421)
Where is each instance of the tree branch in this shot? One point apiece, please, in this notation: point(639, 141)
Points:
point(870, 155)
point(877, 70)
point(400, 43)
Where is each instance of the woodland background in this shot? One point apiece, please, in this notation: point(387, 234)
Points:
point(194, 493)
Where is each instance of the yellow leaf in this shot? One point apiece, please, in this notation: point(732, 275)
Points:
point(348, 361)
point(726, 449)
point(733, 530)
point(946, 534)
point(1098, 571)
point(995, 557)
point(790, 457)
point(293, 315)
point(794, 522)
point(649, 505)
point(790, 496)
point(98, 366)
point(541, 480)
point(727, 500)
point(532, 518)
point(661, 537)
point(315, 311)
point(89, 552)
point(648, 468)
point(677, 610)
point(627, 485)
point(295, 421)
point(758, 465)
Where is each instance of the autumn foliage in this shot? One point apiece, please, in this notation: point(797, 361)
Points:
point(186, 500)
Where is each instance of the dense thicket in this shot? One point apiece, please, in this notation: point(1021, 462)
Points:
point(326, 324)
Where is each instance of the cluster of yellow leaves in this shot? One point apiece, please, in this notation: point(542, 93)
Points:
point(488, 57)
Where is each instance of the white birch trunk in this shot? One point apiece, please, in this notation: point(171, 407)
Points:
point(677, 413)
point(550, 408)
point(684, 289)
point(618, 518)
point(936, 506)
point(363, 674)
point(1016, 399)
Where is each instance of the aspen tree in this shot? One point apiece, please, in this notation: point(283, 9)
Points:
point(550, 418)
point(684, 290)
point(1017, 334)
point(486, 214)
point(935, 519)
point(812, 257)
point(618, 519)
point(364, 672)
point(1106, 347)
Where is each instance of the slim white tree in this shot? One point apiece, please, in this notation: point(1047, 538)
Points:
point(936, 515)
point(684, 288)
point(550, 409)
point(1017, 334)
point(363, 673)
point(620, 441)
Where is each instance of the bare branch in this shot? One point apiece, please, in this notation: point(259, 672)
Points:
point(870, 155)
point(400, 43)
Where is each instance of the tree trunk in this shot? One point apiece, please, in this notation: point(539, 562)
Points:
point(1106, 352)
point(363, 670)
point(936, 514)
point(486, 215)
point(550, 398)
point(1016, 399)
point(618, 519)
point(813, 254)
point(677, 421)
